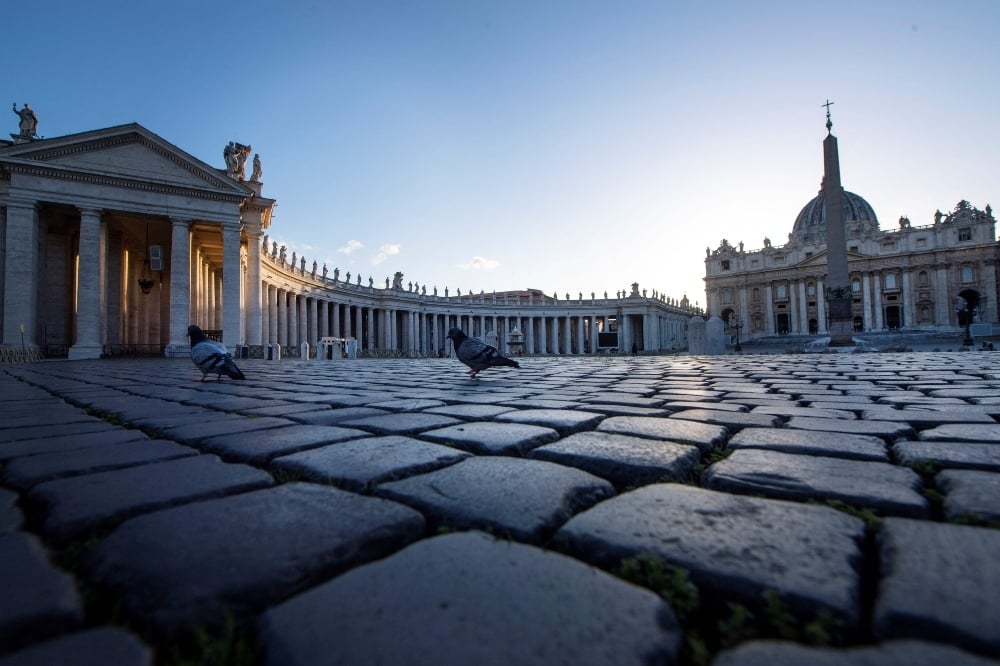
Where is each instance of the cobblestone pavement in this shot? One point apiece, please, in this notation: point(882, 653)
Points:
point(732, 510)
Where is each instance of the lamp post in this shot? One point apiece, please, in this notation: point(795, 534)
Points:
point(737, 325)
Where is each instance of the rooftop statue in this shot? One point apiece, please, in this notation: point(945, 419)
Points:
point(235, 154)
point(29, 121)
point(255, 176)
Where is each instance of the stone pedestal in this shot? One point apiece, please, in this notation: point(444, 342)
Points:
point(841, 318)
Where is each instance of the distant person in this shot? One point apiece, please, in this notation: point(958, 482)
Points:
point(635, 349)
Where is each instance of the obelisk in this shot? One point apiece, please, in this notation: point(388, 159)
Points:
point(838, 278)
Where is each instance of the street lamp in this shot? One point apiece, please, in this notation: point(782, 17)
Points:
point(737, 325)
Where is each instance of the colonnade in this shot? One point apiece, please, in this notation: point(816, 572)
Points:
point(297, 307)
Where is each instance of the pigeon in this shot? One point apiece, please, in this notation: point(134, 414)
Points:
point(476, 354)
point(211, 356)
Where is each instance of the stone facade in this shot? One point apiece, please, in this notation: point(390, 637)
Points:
point(89, 222)
point(911, 278)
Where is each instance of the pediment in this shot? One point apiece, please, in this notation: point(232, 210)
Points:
point(128, 154)
point(820, 259)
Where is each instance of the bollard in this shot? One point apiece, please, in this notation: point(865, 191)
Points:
point(352, 348)
point(304, 351)
point(273, 351)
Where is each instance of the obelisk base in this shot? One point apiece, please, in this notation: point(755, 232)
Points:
point(841, 323)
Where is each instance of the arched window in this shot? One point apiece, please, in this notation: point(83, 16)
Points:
point(890, 281)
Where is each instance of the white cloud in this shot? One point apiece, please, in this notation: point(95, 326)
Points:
point(351, 246)
point(384, 253)
point(479, 264)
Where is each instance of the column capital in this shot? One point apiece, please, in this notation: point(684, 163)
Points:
point(181, 222)
point(92, 211)
point(20, 203)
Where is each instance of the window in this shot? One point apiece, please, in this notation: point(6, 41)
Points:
point(922, 280)
point(890, 281)
point(853, 248)
point(811, 289)
point(756, 295)
point(727, 295)
point(968, 275)
point(725, 264)
point(779, 259)
point(781, 292)
point(965, 234)
point(921, 242)
point(856, 286)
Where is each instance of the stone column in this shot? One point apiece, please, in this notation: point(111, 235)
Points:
point(908, 309)
point(180, 288)
point(265, 315)
point(943, 306)
point(335, 323)
point(113, 314)
point(272, 313)
point(803, 308)
point(821, 307)
point(254, 314)
point(987, 313)
point(875, 289)
point(282, 312)
point(323, 319)
point(194, 286)
point(294, 310)
point(543, 338)
point(867, 315)
point(231, 329)
point(88, 288)
point(769, 323)
point(348, 332)
point(314, 315)
point(370, 319)
point(593, 334)
point(304, 334)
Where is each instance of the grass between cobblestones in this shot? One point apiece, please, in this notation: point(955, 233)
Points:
point(709, 627)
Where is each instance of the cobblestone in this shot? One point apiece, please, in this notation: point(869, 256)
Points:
point(397, 510)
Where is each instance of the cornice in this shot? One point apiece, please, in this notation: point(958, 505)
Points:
point(122, 182)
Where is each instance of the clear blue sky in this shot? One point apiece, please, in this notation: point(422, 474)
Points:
point(565, 145)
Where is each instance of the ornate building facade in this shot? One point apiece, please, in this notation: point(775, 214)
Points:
point(115, 240)
point(914, 277)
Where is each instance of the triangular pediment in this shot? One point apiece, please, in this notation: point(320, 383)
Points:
point(130, 154)
point(820, 259)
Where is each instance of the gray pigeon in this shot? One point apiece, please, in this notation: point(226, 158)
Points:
point(211, 356)
point(476, 354)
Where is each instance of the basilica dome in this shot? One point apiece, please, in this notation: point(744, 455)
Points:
point(810, 225)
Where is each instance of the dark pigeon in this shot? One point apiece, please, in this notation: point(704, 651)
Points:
point(211, 356)
point(476, 354)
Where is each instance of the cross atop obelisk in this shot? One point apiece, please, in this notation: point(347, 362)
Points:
point(829, 123)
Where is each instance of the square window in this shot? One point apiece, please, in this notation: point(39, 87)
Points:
point(965, 234)
point(725, 264)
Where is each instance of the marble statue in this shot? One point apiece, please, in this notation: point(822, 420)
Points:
point(28, 123)
point(257, 173)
